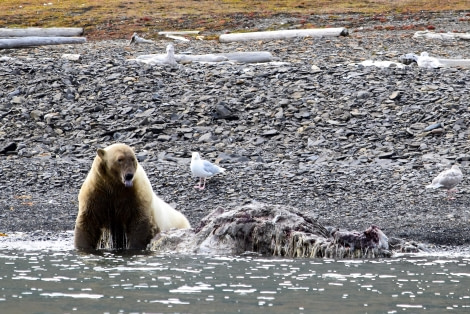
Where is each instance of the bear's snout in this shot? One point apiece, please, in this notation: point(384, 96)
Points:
point(128, 177)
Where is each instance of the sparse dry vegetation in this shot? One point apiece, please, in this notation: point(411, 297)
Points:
point(112, 18)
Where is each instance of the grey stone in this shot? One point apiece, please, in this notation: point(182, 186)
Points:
point(17, 100)
point(205, 137)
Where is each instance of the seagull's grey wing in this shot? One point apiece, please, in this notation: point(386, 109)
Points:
point(448, 179)
point(211, 168)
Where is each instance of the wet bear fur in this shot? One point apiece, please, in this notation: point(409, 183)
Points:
point(117, 206)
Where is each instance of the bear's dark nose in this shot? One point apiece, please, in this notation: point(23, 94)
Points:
point(128, 176)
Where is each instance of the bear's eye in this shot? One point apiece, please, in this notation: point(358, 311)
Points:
point(120, 160)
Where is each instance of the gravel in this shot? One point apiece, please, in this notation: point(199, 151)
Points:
point(349, 144)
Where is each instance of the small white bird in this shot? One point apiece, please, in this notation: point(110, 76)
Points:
point(136, 39)
point(170, 55)
point(203, 169)
point(447, 180)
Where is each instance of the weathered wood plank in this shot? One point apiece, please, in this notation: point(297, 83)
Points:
point(284, 34)
point(23, 42)
point(41, 32)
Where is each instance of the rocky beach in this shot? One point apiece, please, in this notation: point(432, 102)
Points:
point(351, 145)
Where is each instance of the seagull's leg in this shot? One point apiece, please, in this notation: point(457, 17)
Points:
point(451, 194)
point(202, 188)
point(199, 185)
point(454, 191)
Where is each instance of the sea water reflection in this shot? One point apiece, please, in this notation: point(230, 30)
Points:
point(49, 281)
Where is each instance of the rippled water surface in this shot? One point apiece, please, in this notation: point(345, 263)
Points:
point(57, 281)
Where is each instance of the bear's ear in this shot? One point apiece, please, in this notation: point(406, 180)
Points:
point(101, 153)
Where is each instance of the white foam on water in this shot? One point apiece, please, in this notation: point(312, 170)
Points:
point(25, 242)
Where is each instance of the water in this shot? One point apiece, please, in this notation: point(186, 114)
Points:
point(54, 279)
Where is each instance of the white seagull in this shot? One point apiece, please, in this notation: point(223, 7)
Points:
point(203, 169)
point(447, 180)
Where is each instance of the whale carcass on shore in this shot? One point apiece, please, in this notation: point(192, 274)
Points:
point(271, 230)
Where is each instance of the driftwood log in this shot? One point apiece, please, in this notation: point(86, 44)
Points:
point(441, 36)
point(452, 63)
point(41, 32)
point(424, 60)
point(22, 42)
point(243, 57)
point(273, 230)
point(284, 34)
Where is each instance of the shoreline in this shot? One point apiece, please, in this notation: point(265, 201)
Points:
point(63, 241)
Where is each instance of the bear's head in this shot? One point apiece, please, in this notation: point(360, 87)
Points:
point(119, 162)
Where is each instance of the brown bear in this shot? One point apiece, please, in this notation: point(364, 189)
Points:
point(117, 204)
